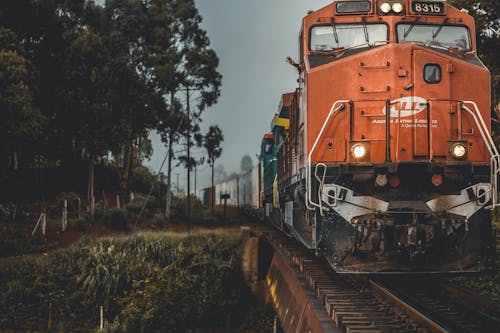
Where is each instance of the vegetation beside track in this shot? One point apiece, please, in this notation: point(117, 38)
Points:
point(485, 284)
point(146, 282)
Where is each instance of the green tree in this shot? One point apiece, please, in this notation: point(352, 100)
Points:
point(22, 122)
point(87, 115)
point(181, 62)
point(487, 16)
point(131, 88)
point(212, 142)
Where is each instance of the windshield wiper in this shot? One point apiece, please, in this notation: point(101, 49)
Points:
point(335, 34)
point(365, 29)
point(438, 31)
point(407, 32)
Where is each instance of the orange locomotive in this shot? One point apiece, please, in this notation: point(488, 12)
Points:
point(387, 163)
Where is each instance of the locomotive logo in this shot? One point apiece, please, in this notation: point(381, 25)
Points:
point(407, 106)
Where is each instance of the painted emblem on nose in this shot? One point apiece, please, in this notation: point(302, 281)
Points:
point(406, 106)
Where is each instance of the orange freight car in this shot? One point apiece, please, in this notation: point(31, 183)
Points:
point(388, 164)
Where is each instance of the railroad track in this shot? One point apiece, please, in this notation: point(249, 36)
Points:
point(380, 304)
point(439, 306)
point(351, 307)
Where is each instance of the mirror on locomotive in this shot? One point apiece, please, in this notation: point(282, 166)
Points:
point(432, 73)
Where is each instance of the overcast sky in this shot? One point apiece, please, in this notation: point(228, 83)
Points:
point(252, 39)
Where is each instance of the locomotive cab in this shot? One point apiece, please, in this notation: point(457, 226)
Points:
point(399, 170)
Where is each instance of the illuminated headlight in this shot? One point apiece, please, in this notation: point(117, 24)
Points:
point(358, 151)
point(385, 7)
point(458, 150)
point(397, 7)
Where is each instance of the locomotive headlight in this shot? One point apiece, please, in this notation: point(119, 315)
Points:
point(385, 7)
point(458, 150)
point(358, 151)
point(397, 7)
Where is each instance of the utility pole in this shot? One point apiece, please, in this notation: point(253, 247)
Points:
point(188, 157)
point(177, 184)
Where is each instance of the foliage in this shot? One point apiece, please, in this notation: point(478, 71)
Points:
point(115, 219)
point(22, 121)
point(212, 142)
point(180, 206)
point(141, 180)
point(135, 206)
point(18, 243)
point(7, 212)
point(485, 284)
point(487, 16)
point(146, 282)
point(73, 204)
point(86, 81)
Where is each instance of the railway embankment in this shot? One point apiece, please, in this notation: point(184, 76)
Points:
point(487, 284)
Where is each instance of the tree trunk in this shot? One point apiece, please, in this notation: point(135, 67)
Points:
point(90, 193)
point(212, 191)
point(188, 213)
point(168, 203)
point(127, 158)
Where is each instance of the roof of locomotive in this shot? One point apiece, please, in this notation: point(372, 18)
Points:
point(329, 10)
point(452, 14)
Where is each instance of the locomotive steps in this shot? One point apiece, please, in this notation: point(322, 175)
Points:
point(310, 297)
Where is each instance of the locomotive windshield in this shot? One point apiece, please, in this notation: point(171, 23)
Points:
point(331, 37)
point(447, 36)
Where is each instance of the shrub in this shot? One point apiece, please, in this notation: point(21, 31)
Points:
point(18, 243)
point(116, 219)
point(141, 180)
point(134, 207)
point(179, 206)
point(7, 212)
point(149, 282)
point(159, 219)
point(54, 209)
point(99, 211)
point(83, 222)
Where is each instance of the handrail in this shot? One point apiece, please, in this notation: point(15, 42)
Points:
point(475, 113)
point(430, 151)
point(321, 181)
point(336, 106)
point(493, 149)
point(490, 145)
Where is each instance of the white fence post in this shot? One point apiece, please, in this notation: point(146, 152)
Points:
point(44, 224)
point(65, 216)
point(36, 225)
point(101, 322)
point(79, 208)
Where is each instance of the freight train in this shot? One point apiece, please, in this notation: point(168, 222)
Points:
point(382, 160)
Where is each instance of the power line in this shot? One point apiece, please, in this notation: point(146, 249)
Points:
point(157, 178)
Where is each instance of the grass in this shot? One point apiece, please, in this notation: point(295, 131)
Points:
point(146, 281)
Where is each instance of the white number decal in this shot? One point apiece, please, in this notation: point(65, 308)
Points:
point(427, 7)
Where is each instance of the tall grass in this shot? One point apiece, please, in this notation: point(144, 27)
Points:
point(147, 282)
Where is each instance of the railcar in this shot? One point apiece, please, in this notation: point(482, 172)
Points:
point(382, 159)
point(242, 191)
